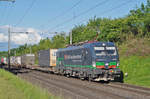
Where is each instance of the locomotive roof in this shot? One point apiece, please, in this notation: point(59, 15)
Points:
point(87, 45)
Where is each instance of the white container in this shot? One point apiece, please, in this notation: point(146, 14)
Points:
point(12, 60)
point(5, 60)
point(18, 60)
point(28, 59)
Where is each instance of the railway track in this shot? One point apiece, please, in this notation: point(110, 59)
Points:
point(131, 87)
point(78, 89)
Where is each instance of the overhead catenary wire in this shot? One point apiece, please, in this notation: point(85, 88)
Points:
point(80, 14)
point(3, 13)
point(109, 10)
point(9, 13)
point(114, 8)
point(26, 12)
point(62, 14)
point(0, 5)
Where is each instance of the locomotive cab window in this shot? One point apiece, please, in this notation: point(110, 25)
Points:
point(102, 51)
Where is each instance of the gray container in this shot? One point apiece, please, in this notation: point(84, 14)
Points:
point(47, 57)
point(28, 59)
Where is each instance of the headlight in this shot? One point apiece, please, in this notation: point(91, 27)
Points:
point(117, 63)
point(94, 64)
point(104, 44)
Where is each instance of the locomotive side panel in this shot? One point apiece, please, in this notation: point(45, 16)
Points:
point(75, 62)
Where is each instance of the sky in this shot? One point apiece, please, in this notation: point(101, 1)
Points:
point(43, 18)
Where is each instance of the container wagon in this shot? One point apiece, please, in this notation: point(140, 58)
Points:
point(96, 61)
point(47, 59)
point(27, 60)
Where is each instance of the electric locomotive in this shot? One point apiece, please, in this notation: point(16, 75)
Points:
point(97, 61)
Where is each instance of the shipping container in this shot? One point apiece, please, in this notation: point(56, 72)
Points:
point(47, 58)
point(5, 60)
point(2, 60)
point(27, 60)
point(12, 60)
point(15, 61)
point(18, 60)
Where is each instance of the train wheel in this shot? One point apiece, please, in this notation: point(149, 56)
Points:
point(90, 78)
point(68, 75)
point(81, 76)
point(120, 79)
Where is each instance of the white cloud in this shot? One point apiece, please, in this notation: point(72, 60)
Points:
point(3, 38)
point(32, 37)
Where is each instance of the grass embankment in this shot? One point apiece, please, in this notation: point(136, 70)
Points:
point(138, 69)
point(12, 87)
point(135, 60)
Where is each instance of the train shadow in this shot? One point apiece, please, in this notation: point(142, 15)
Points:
point(100, 82)
point(15, 70)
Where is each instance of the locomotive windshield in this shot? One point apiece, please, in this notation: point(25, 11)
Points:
point(103, 51)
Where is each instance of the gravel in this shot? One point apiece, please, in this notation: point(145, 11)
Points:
point(72, 88)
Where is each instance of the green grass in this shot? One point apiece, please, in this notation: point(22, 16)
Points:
point(138, 69)
point(135, 60)
point(12, 87)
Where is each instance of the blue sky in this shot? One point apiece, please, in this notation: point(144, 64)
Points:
point(53, 15)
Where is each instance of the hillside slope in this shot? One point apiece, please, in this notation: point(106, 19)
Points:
point(135, 60)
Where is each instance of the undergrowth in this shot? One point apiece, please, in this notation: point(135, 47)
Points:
point(12, 87)
point(135, 61)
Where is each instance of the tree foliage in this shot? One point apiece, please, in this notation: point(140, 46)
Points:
point(136, 23)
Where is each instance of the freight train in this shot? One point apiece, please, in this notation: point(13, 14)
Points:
point(95, 61)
